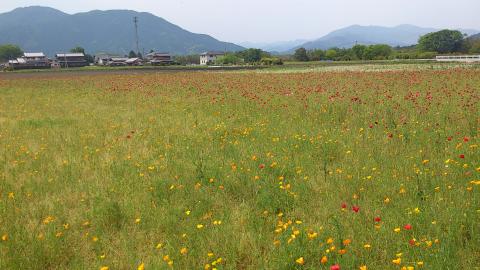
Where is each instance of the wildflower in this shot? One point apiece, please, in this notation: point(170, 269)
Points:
point(420, 263)
point(104, 268)
point(416, 210)
point(324, 260)
point(397, 230)
point(347, 242)
point(199, 226)
point(386, 200)
point(344, 206)
point(363, 267)
point(187, 212)
point(137, 220)
point(335, 267)
point(355, 208)
point(407, 227)
point(183, 251)
point(330, 240)
point(141, 267)
point(367, 246)
point(300, 261)
point(261, 166)
point(377, 219)
point(4, 237)
point(342, 251)
point(159, 246)
point(397, 261)
point(11, 195)
point(95, 239)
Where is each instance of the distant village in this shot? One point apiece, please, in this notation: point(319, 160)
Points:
point(38, 60)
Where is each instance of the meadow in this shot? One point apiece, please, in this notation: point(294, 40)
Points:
point(241, 170)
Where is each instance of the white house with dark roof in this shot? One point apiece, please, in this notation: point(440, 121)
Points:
point(210, 57)
point(30, 60)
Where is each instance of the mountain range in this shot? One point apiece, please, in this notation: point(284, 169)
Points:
point(402, 35)
point(52, 31)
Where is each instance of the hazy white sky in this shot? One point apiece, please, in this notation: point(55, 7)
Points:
point(273, 20)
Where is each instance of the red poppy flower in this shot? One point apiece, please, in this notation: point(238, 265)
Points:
point(377, 219)
point(261, 166)
point(355, 208)
point(390, 135)
point(449, 138)
point(407, 227)
point(335, 267)
point(465, 139)
point(462, 156)
point(412, 242)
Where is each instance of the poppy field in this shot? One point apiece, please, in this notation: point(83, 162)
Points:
point(241, 170)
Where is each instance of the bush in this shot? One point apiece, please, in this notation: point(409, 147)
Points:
point(271, 61)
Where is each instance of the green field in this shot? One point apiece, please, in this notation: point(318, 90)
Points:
point(286, 168)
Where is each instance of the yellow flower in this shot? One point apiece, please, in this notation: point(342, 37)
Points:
point(416, 210)
point(4, 237)
point(367, 246)
point(312, 235)
point(137, 220)
point(324, 260)
point(141, 267)
point(420, 263)
point(397, 230)
point(397, 261)
point(183, 251)
point(104, 268)
point(199, 226)
point(159, 246)
point(329, 240)
point(363, 267)
point(300, 261)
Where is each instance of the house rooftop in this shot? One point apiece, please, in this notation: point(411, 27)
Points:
point(213, 53)
point(37, 54)
point(69, 55)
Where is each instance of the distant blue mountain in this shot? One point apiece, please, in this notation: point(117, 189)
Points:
point(402, 35)
point(51, 31)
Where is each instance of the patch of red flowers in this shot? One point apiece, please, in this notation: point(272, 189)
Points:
point(355, 208)
point(335, 267)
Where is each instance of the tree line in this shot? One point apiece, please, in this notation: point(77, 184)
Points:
point(429, 45)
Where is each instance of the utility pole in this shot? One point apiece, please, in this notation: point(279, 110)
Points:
point(135, 21)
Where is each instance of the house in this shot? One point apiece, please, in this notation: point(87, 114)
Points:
point(207, 58)
point(117, 61)
point(30, 61)
point(71, 59)
point(102, 59)
point(158, 58)
point(134, 62)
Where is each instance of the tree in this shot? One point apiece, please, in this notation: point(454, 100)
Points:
point(445, 41)
point(229, 59)
point(78, 49)
point(377, 52)
point(132, 54)
point(330, 54)
point(358, 51)
point(9, 51)
point(301, 55)
point(252, 55)
point(316, 55)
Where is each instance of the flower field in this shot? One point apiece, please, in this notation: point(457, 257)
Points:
point(241, 170)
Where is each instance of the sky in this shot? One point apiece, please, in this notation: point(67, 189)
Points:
point(281, 20)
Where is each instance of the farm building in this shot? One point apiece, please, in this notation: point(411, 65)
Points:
point(71, 59)
point(157, 58)
point(30, 61)
point(102, 59)
point(134, 62)
point(458, 58)
point(210, 57)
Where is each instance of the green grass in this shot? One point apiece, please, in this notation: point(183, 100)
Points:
point(125, 170)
